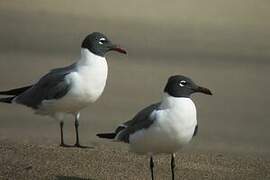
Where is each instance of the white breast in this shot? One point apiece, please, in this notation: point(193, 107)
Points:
point(90, 79)
point(173, 127)
point(88, 83)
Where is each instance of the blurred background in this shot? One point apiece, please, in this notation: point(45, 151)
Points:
point(222, 45)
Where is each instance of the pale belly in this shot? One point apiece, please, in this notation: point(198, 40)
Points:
point(69, 104)
point(162, 137)
point(83, 93)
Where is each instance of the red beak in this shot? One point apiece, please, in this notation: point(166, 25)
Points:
point(119, 49)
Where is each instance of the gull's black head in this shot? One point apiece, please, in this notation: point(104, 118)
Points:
point(99, 44)
point(182, 86)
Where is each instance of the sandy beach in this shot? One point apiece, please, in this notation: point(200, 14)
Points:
point(28, 161)
point(221, 45)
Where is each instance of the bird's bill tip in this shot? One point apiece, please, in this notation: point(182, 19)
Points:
point(204, 90)
point(119, 49)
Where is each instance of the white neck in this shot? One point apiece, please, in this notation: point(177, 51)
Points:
point(88, 58)
point(183, 110)
point(92, 70)
point(174, 102)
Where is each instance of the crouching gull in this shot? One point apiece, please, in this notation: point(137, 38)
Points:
point(163, 127)
point(69, 89)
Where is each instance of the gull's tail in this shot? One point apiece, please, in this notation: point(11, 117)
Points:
point(107, 135)
point(112, 135)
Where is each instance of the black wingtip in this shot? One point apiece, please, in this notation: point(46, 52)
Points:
point(195, 130)
point(16, 91)
point(106, 135)
point(7, 100)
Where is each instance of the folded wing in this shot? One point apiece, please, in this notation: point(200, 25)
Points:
point(142, 120)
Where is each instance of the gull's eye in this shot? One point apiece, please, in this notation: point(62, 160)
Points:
point(102, 40)
point(182, 83)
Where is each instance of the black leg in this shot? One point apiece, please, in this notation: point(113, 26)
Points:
point(77, 132)
point(62, 135)
point(61, 131)
point(172, 165)
point(152, 167)
point(77, 144)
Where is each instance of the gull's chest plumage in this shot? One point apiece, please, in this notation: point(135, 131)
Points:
point(87, 84)
point(89, 81)
point(177, 124)
point(172, 128)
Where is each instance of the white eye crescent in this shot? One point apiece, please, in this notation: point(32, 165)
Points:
point(182, 83)
point(101, 40)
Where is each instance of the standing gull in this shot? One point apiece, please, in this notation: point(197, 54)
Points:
point(69, 89)
point(163, 127)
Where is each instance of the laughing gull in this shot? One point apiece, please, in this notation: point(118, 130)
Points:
point(69, 89)
point(163, 127)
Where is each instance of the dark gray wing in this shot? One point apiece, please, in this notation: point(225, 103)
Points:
point(142, 120)
point(195, 130)
point(53, 85)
